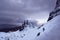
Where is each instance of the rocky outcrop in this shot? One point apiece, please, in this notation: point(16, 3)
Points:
point(55, 12)
point(10, 27)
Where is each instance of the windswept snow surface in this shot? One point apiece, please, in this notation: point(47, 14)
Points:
point(27, 34)
point(52, 32)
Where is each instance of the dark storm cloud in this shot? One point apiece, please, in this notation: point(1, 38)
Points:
point(20, 9)
point(26, 5)
point(6, 18)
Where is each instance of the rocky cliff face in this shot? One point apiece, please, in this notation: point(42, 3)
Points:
point(56, 11)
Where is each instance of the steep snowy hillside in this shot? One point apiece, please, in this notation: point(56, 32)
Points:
point(52, 28)
point(48, 31)
point(27, 34)
point(52, 31)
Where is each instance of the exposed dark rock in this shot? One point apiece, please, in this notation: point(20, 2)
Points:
point(54, 13)
point(24, 25)
point(51, 16)
point(9, 29)
point(40, 26)
point(43, 29)
point(57, 3)
point(38, 34)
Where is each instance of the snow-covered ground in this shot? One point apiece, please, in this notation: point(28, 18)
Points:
point(52, 32)
point(28, 33)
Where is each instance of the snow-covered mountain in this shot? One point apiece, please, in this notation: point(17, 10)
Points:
point(21, 27)
point(52, 30)
point(49, 31)
point(52, 27)
point(56, 11)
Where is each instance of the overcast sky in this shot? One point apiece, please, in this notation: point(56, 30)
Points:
point(17, 10)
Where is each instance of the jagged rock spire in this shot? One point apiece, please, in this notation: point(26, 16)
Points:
point(57, 3)
point(56, 11)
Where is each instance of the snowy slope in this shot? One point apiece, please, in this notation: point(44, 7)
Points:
point(52, 31)
point(27, 34)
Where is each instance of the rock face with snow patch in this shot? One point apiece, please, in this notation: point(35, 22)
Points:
point(56, 11)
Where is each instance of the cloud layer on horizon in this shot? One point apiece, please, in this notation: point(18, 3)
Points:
point(22, 9)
